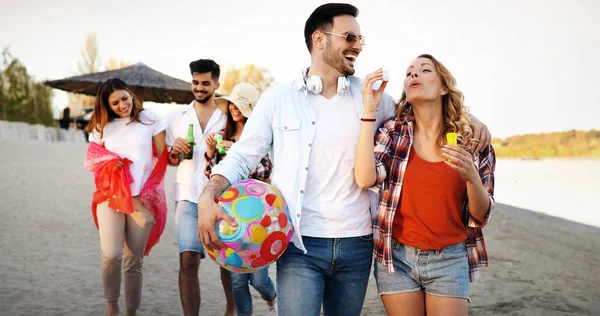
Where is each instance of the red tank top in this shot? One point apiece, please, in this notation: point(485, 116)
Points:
point(429, 214)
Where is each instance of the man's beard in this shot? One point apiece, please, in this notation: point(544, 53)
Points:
point(336, 61)
point(204, 100)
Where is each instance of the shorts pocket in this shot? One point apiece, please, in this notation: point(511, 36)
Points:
point(368, 237)
point(454, 251)
point(396, 245)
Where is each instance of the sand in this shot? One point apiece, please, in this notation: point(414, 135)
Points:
point(50, 251)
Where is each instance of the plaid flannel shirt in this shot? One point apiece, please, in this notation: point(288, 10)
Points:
point(262, 171)
point(392, 147)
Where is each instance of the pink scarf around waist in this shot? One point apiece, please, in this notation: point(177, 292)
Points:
point(113, 184)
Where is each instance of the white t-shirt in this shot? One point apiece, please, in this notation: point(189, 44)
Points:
point(334, 205)
point(132, 141)
point(191, 180)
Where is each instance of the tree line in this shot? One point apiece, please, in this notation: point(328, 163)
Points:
point(571, 143)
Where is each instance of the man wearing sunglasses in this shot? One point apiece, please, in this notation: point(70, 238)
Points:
point(313, 135)
point(312, 126)
point(350, 37)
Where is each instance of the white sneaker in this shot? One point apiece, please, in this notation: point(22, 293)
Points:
point(272, 312)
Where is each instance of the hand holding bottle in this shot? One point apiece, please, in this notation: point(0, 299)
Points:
point(180, 146)
point(211, 144)
point(191, 142)
point(220, 147)
point(226, 144)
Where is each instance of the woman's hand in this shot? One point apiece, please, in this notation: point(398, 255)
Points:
point(118, 165)
point(227, 144)
point(211, 144)
point(372, 98)
point(461, 161)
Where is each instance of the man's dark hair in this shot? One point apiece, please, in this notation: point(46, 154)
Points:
point(322, 19)
point(206, 65)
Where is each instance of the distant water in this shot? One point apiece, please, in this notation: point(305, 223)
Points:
point(566, 188)
point(24, 131)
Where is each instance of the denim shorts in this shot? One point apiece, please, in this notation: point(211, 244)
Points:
point(186, 221)
point(442, 272)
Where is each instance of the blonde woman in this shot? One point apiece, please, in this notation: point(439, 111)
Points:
point(436, 197)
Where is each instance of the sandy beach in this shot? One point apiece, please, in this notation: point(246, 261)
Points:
point(50, 252)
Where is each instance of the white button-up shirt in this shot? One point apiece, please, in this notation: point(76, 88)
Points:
point(191, 181)
point(284, 123)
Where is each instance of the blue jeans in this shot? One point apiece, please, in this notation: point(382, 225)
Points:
point(333, 273)
point(241, 293)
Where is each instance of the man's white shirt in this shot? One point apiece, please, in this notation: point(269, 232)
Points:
point(284, 123)
point(334, 205)
point(191, 181)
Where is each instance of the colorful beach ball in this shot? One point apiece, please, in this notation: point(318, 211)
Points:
point(264, 228)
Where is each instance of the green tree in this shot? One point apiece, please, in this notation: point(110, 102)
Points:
point(571, 143)
point(21, 98)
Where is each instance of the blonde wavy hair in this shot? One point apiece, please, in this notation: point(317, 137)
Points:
point(455, 113)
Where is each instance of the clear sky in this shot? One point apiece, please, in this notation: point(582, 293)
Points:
point(524, 66)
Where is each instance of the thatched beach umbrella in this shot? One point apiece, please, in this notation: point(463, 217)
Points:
point(147, 84)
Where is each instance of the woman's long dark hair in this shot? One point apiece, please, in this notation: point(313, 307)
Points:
point(103, 113)
point(230, 126)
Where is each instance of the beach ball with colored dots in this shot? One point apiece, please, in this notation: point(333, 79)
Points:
point(263, 228)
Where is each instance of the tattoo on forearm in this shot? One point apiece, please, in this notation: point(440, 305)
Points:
point(216, 185)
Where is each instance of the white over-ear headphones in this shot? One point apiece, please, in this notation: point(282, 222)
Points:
point(315, 85)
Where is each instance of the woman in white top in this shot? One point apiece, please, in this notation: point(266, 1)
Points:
point(124, 129)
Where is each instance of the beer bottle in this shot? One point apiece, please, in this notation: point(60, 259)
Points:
point(190, 140)
point(219, 139)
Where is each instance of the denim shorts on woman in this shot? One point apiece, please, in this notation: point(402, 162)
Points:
point(436, 272)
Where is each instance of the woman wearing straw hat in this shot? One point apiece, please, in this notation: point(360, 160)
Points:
point(240, 104)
